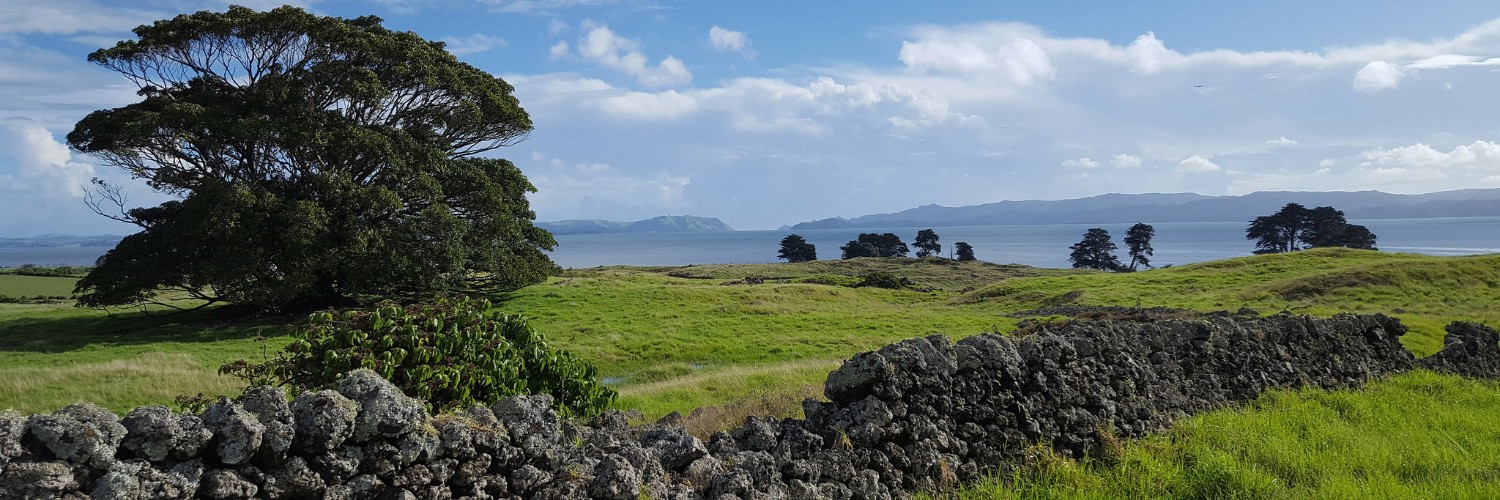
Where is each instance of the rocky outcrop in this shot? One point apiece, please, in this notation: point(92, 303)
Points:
point(921, 414)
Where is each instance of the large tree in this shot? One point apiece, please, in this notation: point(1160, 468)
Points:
point(965, 251)
point(794, 248)
point(312, 160)
point(875, 245)
point(1095, 251)
point(1138, 242)
point(1296, 227)
point(927, 243)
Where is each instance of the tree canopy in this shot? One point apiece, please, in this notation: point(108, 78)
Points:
point(1138, 242)
point(1296, 227)
point(927, 243)
point(794, 248)
point(312, 160)
point(1095, 251)
point(875, 245)
point(965, 251)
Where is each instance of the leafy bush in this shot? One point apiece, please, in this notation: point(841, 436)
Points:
point(881, 279)
point(831, 279)
point(453, 354)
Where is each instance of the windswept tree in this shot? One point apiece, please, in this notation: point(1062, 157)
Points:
point(964, 250)
point(875, 245)
point(1095, 251)
point(311, 161)
point(1138, 242)
point(1296, 227)
point(796, 249)
point(927, 243)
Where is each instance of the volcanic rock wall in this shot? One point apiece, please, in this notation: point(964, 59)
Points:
point(919, 414)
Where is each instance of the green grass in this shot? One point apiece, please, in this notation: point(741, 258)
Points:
point(1416, 435)
point(13, 285)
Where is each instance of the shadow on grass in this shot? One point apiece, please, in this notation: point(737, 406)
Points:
point(66, 330)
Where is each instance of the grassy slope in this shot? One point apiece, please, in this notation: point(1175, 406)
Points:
point(12, 285)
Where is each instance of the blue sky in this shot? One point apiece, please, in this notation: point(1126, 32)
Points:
point(771, 113)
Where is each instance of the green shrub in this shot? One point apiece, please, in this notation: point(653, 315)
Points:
point(881, 279)
point(831, 279)
point(453, 354)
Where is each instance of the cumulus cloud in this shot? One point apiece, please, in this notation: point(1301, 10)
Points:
point(730, 41)
point(1197, 164)
point(1125, 161)
point(1480, 155)
point(42, 162)
point(472, 44)
point(608, 49)
point(1007, 52)
point(1281, 141)
point(666, 105)
point(564, 188)
point(1377, 76)
point(1084, 162)
point(67, 17)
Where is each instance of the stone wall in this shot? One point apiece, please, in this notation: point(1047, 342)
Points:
point(921, 414)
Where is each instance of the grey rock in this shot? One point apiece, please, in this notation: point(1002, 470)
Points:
point(12, 427)
point(615, 479)
point(222, 483)
point(237, 433)
point(293, 479)
point(82, 434)
point(37, 480)
point(533, 425)
point(270, 407)
point(322, 420)
point(384, 410)
point(155, 433)
point(120, 483)
point(676, 447)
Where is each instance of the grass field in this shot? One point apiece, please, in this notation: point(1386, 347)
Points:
point(13, 285)
point(756, 339)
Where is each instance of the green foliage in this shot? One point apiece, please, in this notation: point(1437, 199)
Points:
point(452, 354)
point(52, 271)
point(1095, 251)
point(1138, 241)
point(312, 161)
point(875, 245)
point(1296, 227)
point(927, 243)
point(880, 279)
point(965, 251)
point(794, 248)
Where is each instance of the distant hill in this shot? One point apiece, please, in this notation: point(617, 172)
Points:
point(662, 224)
point(1180, 207)
point(61, 240)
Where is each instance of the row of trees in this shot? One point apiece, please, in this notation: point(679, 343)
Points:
point(1296, 227)
point(1096, 250)
point(795, 248)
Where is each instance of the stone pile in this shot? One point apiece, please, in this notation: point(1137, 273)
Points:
point(922, 414)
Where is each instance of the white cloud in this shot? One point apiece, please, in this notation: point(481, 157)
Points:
point(559, 51)
point(1327, 162)
point(1377, 76)
point(1281, 141)
point(540, 6)
point(730, 41)
point(1197, 164)
point(556, 27)
point(666, 105)
point(472, 44)
point(43, 163)
point(1481, 155)
point(604, 47)
point(1125, 161)
point(1007, 52)
point(1084, 162)
point(66, 17)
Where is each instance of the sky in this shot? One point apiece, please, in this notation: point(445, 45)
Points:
point(770, 113)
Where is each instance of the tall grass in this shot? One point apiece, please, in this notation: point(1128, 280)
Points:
point(1416, 435)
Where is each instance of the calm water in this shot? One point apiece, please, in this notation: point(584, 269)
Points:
point(1044, 246)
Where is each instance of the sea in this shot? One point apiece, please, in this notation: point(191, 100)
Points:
point(1175, 243)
